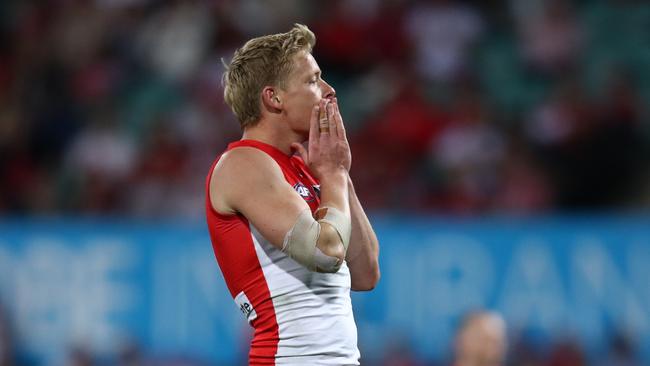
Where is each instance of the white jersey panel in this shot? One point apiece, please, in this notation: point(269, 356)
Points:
point(313, 310)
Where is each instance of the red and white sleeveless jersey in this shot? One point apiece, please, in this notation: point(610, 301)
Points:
point(300, 317)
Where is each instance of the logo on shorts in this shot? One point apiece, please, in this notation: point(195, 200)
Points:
point(303, 192)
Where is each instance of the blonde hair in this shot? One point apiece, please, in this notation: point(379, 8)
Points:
point(262, 61)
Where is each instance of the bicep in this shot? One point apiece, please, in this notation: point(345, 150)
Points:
point(257, 189)
point(272, 210)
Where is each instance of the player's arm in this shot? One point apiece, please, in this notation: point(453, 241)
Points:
point(363, 253)
point(249, 182)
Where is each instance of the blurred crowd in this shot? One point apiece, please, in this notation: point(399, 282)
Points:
point(115, 107)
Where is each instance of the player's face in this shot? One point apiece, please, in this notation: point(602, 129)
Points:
point(304, 89)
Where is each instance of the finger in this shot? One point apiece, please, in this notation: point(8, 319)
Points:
point(323, 123)
point(340, 127)
point(331, 120)
point(301, 151)
point(314, 134)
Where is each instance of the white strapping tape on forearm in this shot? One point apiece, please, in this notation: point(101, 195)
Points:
point(300, 242)
point(339, 221)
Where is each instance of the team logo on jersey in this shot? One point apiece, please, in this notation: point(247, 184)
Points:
point(316, 188)
point(303, 192)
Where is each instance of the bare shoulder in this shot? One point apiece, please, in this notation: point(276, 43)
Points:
point(238, 171)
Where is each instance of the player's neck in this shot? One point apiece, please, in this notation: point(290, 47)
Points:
point(264, 132)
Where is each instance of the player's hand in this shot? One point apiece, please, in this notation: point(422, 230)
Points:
point(328, 151)
point(340, 128)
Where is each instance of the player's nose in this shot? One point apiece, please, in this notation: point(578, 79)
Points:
point(328, 90)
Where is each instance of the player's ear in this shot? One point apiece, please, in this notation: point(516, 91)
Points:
point(271, 99)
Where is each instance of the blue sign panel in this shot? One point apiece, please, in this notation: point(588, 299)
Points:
point(106, 284)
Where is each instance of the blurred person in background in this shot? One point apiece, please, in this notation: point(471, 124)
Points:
point(403, 128)
point(481, 340)
point(441, 32)
point(469, 150)
point(550, 36)
point(289, 234)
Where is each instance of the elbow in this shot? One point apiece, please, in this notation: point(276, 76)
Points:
point(328, 263)
point(325, 263)
point(367, 282)
point(329, 252)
